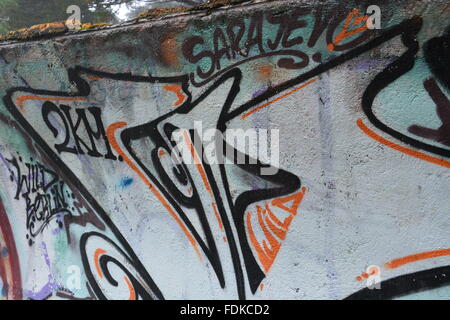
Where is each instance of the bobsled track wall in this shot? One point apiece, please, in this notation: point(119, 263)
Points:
point(94, 204)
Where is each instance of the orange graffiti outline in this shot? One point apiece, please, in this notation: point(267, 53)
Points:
point(93, 78)
point(265, 254)
point(110, 133)
point(285, 224)
point(275, 245)
point(416, 257)
point(20, 100)
point(130, 288)
point(275, 219)
point(219, 220)
point(97, 253)
point(344, 34)
point(245, 115)
point(405, 150)
point(280, 233)
point(297, 197)
point(263, 258)
point(178, 91)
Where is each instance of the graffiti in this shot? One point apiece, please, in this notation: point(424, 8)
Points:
point(43, 193)
point(177, 199)
point(442, 134)
point(64, 113)
point(372, 276)
point(237, 41)
point(436, 53)
point(398, 286)
point(46, 198)
point(399, 68)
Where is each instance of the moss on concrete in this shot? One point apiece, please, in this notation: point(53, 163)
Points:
point(57, 28)
point(211, 5)
point(44, 30)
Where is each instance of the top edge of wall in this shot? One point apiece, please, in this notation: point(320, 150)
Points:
point(53, 30)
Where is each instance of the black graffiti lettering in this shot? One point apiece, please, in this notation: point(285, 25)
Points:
point(22, 179)
point(218, 39)
point(42, 191)
point(50, 108)
point(292, 24)
point(255, 34)
point(235, 38)
point(276, 19)
point(281, 184)
point(98, 134)
point(188, 51)
point(72, 128)
point(322, 18)
point(286, 43)
point(341, 14)
point(397, 69)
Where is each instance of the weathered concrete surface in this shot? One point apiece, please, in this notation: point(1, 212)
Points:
point(90, 196)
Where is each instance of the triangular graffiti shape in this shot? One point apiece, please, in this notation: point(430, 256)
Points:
point(273, 228)
point(291, 202)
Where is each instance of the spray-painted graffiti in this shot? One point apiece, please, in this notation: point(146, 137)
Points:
point(43, 193)
point(231, 228)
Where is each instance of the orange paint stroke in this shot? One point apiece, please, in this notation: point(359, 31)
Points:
point(405, 150)
point(275, 245)
point(97, 254)
point(284, 225)
point(110, 133)
point(272, 227)
point(279, 98)
point(93, 78)
point(344, 33)
point(219, 220)
point(178, 91)
point(22, 99)
point(416, 257)
point(281, 234)
point(266, 254)
point(274, 218)
point(130, 287)
point(262, 257)
point(296, 199)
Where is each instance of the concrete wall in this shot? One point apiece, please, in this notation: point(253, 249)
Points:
point(93, 206)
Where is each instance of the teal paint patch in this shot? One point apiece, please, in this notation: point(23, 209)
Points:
point(405, 102)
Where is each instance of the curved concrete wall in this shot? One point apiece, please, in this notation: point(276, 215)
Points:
point(96, 203)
